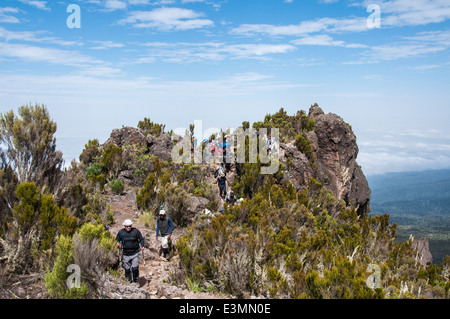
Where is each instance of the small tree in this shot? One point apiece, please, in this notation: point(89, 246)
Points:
point(30, 145)
point(90, 152)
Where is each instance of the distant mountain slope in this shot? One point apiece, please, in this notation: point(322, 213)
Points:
point(413, 191)
point(419, 202)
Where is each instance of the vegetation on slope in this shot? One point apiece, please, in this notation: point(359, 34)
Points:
point(280, 242)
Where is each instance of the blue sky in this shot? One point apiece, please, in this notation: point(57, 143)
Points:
point(226, 61)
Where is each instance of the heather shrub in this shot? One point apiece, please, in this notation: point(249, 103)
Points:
point(55, 280)
point(117, 186)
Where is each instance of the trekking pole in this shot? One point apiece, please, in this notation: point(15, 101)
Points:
point(120, 258)
point(145, 269)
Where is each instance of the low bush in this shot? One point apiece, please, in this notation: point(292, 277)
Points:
point(117, 186)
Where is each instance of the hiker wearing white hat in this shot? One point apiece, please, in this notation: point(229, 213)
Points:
point(164, 226)
point(131, 241)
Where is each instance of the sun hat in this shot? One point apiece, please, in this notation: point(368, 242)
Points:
point(127, 222)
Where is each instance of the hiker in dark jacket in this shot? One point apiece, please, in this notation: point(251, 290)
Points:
point(131, 241)
point(222, 184)
point(164, 225)
point(231, 199)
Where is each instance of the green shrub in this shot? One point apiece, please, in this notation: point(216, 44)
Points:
point(91, 152)
point(117, 186)
point(25, 211)
point(55, 280)
point(38, 212)
point(112, 159)
point(148, 127)
point(304, 145)
point(146, 199)
point(94, 170)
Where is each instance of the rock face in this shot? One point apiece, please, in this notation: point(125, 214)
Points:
point(299, 171)
point(423, 252)
point(335, 151)
point(159, 146)
point(127, 136)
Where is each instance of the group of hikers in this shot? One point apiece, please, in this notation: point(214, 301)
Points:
point(131, 243)
point(222, 149)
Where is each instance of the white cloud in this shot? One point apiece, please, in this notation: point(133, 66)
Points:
point(325, 40)
point(36, 54)
point(304, 28)
point(112, 5)
point(37, 4)
point(6, 17)
point(411, 12)
point(167, 19)
point(420, 44)
point(390, 52)
point(104, 45)
point(33, 36)
point(183, 52)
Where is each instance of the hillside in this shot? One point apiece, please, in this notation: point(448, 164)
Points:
point(419, 202)
point(411, 186)
point(303, 230)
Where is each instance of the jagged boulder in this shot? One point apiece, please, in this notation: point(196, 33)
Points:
point(299, 169)
point(161, 146)
point(127, 136)
point(335, 150)
point(423, 251)
point(196, 205)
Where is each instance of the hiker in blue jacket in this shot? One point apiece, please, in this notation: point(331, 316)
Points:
point(164, 225)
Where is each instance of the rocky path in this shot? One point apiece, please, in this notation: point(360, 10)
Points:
point(155, 274)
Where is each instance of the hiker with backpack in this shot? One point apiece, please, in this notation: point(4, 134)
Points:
point(222, 184)
point(231, 199)
point(164, 225)
point(219, 170)
point(131, 242)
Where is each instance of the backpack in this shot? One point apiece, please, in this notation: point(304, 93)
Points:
point(218, 171)
point(165, 242)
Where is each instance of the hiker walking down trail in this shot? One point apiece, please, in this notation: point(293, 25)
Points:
point(219, 170)
point(164, 225)
point(222, 184)
point(231, 199)
point(131, 242)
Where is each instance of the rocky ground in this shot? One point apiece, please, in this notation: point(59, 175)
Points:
point(155, 276)
point(155, 281)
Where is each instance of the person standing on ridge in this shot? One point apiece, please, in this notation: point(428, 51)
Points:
point(130, 240)
point(164, 225)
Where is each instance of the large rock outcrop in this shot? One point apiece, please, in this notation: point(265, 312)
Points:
point(160, 146)
point(335, 152)
point(423, 254)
